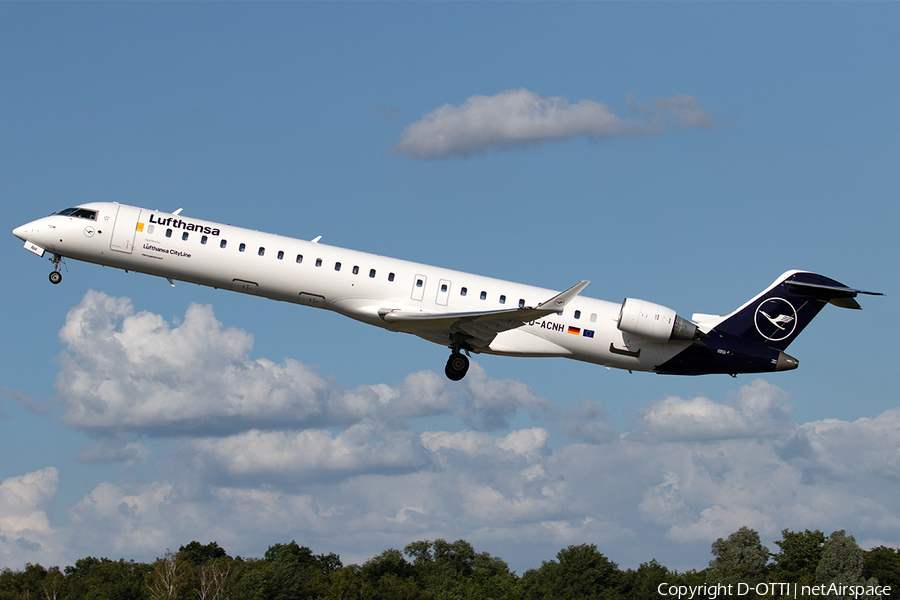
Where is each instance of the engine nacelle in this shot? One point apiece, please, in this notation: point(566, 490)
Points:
point(655, 322)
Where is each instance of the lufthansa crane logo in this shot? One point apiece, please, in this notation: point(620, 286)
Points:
point(776, 319)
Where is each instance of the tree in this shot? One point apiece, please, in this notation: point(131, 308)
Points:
point(198, 554)
point(740, 558)
point(101, 578)
point(287, 572)
point(842, 562)
point(164, 579)
point(445, 569)
point(643, 583)
point(579, 572)
point(29, 583)
point(799, 556)
point(211, 577)
point(883, 563)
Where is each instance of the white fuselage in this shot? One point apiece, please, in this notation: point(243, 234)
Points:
point(356, 284)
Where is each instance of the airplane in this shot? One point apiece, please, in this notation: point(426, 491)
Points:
point(467, 313)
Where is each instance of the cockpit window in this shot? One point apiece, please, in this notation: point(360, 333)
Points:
point(82, 213)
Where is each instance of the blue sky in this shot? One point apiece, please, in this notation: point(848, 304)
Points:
point(290, 117)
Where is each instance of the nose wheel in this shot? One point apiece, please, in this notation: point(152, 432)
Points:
point(457, 366)
point(55, 275)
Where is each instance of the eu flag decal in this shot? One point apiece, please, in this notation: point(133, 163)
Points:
point(588, 333)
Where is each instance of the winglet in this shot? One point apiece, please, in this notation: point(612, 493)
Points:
point(559, 301)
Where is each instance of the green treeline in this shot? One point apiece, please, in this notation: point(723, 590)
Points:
point(441, 570)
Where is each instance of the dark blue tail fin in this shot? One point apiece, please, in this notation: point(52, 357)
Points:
point(778, 315)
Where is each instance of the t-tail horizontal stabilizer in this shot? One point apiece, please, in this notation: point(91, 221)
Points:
point(753, 338)
point(778, 315)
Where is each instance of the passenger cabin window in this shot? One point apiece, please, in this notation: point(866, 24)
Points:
point(356, 269)
point(463, 291)
point(204, 239)
point(521, 302)
point(168, 233)
point(484, 295)
point(280, 254)
point(593, 317)
point(242, 247)
point(337, 266)
point(390, 276)
point(577, 314)
point(372, 273)
point(502, 299)
point(223, 243)
point(184, 236)
point(261, 251)
point(299, 258)
point(318, 262)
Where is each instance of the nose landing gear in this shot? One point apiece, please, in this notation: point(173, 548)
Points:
point(55, 275)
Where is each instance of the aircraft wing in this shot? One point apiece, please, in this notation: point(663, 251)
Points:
point(480, 325)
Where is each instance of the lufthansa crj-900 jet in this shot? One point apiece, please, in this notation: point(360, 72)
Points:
point(465, 312)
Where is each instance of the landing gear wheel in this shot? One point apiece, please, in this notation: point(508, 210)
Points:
point(457, 366)
point(55, 277)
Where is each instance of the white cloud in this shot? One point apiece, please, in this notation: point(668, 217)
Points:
point(520, 117)
point(128, 371)
point(525, 442)
point(117, 449)
point(585, 423)
point(491, 404)
point(130, 520)
point(358, 471)
point(756, 410)
point(365, 489)
point(25, 528)
point(312, 455)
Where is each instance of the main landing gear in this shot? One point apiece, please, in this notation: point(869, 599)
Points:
point(457, 366)
point(55, 275)
point(458, 363)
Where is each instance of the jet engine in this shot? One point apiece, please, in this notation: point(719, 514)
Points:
point(655, 322)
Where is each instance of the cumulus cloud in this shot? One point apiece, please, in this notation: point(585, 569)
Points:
point(365, 489)
point(585, 423)
point(356, 472)
point(131, 371)
point(490, 404)
point(312, 455)
point(757, 410)
point(25, 528)
point(521, 117)
point(131, 519)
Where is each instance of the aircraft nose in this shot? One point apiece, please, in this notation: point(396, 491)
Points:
point(20, 232)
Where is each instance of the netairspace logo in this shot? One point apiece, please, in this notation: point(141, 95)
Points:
point(775, 589)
